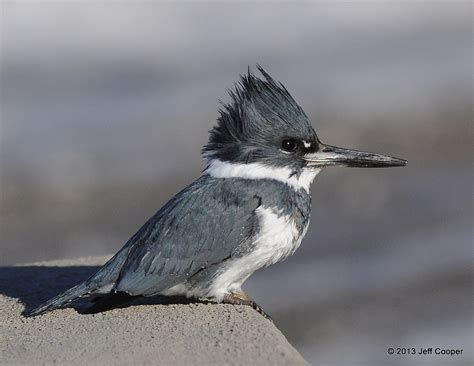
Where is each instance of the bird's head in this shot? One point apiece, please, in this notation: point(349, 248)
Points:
point(264, 128)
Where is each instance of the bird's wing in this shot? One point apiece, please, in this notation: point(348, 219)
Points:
point(205, 224)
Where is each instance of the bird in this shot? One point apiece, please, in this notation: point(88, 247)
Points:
point(250, 207)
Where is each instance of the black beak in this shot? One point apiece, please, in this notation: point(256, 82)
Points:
point(330, 155)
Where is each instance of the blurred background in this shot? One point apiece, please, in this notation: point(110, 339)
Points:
point(105, 106)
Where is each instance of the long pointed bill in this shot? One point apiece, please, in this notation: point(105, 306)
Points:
point(331, 155)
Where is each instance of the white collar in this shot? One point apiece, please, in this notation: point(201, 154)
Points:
point(223, 169)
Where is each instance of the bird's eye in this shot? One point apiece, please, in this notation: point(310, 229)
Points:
point(289, 145)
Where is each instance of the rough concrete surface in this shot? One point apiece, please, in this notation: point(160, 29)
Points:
point(155, 334)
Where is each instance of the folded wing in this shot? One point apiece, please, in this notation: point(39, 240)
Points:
point(205, 224)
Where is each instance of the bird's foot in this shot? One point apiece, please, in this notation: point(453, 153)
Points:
point(241, 298)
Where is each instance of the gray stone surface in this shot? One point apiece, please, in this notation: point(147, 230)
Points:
point(176, 334)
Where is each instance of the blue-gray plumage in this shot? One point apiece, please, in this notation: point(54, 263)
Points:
point(250, 207)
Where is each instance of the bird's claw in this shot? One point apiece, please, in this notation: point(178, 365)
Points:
point(243, 299)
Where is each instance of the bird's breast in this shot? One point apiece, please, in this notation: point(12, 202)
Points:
point(279, 236)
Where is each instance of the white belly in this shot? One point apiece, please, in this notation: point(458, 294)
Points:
point(278, 239)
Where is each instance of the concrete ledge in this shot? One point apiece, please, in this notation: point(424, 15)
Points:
point(156, 334)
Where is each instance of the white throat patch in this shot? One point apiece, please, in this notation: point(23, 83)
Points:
point(223, 169)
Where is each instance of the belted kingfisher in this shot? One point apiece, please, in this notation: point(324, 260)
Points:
point(250, 207)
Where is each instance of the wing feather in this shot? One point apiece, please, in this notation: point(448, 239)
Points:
point(202, 225)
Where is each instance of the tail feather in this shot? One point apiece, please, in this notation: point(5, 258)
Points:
point(101, 282)
point(63, 299)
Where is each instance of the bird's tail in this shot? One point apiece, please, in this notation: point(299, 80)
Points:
point(63, 299)
point(101, 282)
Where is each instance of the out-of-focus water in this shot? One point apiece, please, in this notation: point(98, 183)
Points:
point(104, 109)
